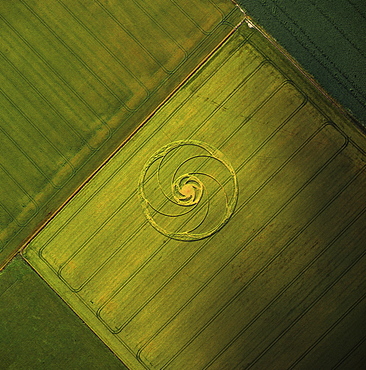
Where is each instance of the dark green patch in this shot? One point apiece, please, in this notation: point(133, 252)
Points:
point(39, 331)
point(327, 38)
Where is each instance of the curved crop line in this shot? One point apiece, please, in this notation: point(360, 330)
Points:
point(161, 155)
point(248, 241)
point(42, 248)
point(173, 215)
point(118, 330)
point(204, 218)
point(242, 206)
point(181, 182)
point(129, 197)
point(123, 285)
point(141, 189)
point(221, 187)
point(148, 203)
point(10, 214)
point(156, 130)
point(174, 175)
point(160, 182)
point(121, 327)
point(243, 123)
point(199, 236)
point(173, 235)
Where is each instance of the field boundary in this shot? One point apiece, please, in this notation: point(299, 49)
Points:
point(120, 146)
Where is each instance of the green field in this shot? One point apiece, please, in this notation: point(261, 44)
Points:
point(38, 330)
point(228, 232)
point(76, 79)
point(326, 38)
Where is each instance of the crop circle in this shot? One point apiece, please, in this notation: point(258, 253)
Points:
point(188, 190)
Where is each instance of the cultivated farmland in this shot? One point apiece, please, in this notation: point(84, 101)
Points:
point(76, 79)
point(229, 231)
point(38, 330)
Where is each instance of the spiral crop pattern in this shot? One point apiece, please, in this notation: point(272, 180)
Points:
point(188, 190)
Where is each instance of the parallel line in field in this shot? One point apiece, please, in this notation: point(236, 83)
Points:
point(44, 98)
point(322, 294)
point(72, 52)
point(192, 134)
point(223, 103)
point(116, 20)
point(218, 26)
point(25, 155)
point(138, 355)
point(193, 21)
point(79, 96)
point(197, 46)
point(126, 346)
point(162, 29)
point(243, 246)
point(198, 251)
point(359, 10)
point(335, 26)
point(25, 192)
point(109, 51)
point(359, 96)
point(349, 353)
point(135, 151)
point(119, 338)
point(57, 74)
point(11, 219)
point(39, 169)
point(120, 25)
point(293, 281)
point(327, 332)
point(215, 5)
point(237, 129)
point(135, 192)
point(30, 121)
point(183, 83)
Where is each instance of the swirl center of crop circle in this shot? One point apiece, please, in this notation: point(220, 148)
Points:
point(188, 190)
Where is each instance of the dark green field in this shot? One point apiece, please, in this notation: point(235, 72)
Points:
point(38, 330)
point(327, 37)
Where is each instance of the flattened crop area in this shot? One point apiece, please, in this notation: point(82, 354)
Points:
point(228, 232)
point(76, 78)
